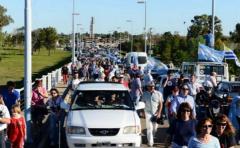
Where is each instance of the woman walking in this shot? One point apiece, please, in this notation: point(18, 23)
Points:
point(225, 132)
point(182, 128)
point(204, 139)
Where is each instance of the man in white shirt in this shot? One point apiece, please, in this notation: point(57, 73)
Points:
point(153, 100)
point(194, 87)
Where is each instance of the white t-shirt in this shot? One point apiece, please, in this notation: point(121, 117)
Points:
point(5, 114)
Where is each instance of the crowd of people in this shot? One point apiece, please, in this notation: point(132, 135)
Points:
point(177, 102)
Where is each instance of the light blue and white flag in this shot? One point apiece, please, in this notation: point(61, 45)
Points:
point(229, 54)
point(206, 53)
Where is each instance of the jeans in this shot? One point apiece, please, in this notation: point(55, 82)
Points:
point(53, 128)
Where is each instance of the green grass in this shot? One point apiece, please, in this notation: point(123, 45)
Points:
point(12, 64)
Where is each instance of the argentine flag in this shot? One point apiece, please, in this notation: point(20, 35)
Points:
point(206, 53)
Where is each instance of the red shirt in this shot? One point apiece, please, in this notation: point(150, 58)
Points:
point(16, 131)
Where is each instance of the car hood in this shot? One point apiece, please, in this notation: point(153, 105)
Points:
point(102, 118)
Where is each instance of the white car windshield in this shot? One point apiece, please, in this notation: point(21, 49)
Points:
point(102, 100)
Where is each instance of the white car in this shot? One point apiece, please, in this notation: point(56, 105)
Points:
point(103, 114)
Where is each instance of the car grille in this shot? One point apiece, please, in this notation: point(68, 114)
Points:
point(103, 131)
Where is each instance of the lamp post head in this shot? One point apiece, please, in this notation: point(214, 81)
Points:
point(141, 1)
point(75, 13)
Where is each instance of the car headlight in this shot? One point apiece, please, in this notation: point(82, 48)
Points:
point(131, 130)
point(75, 130)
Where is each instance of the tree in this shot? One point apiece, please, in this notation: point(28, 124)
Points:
point(36, 40)
point(202, 24)
point(18, 36)
point(235, 36)
point(4, 19)
point(50, 39)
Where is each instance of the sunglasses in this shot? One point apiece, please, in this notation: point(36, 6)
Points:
point(185, 110)
point(185, 89)
point(221, 124)
point(207, 126)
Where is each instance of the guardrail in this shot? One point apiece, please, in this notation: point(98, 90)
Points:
point(49, 81)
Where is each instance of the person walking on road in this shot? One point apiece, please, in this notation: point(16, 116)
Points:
point(153, 100)
point(204, 139)
point(39, 97)
point(65, 72)
point(136, 88)
point(224, 131)
point(182, 128)
point(55, 115)
point(183, 97)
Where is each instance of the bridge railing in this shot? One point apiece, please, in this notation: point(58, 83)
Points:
point(49, 81)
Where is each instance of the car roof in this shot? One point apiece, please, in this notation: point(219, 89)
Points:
point(96, 86)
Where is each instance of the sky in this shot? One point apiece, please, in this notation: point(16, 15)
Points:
point(109, 15)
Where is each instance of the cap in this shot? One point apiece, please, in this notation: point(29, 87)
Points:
point(151, 83)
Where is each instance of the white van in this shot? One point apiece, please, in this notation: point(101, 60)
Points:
point(204, 69)
point(138, 58)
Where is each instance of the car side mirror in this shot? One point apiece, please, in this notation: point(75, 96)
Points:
point(140, 105)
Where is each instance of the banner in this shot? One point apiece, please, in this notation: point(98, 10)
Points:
point(206, 53)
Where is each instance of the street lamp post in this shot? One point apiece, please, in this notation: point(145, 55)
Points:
point(145, 32)
point(213, 24)
point(150, 41)
point(28, 65)
point(79, 39)
point(120, 45)
point(130, 21)
point(73, 33)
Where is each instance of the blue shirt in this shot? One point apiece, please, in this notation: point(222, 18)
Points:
point(10, 98)
point(195, 143)
point(179, 100)
point(182, 131)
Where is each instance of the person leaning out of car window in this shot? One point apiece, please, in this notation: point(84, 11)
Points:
point(153, 100)
point(4, 120)
point(224, 131)
point(182, 128)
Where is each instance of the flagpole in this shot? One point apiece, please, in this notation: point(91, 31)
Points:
point(213, 24)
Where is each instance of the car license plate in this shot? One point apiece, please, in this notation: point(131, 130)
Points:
point(103, 143)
